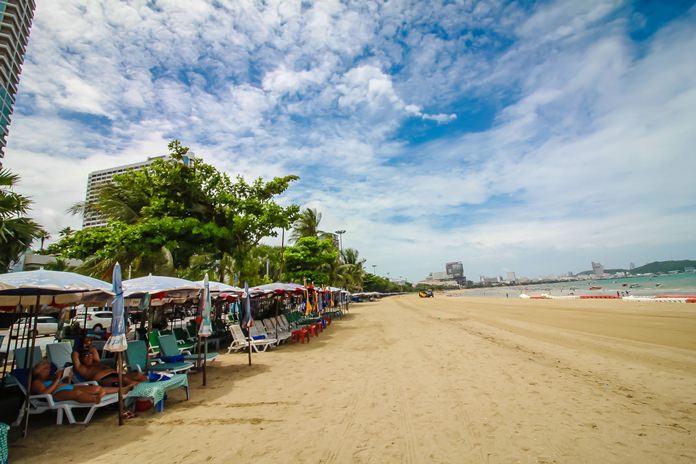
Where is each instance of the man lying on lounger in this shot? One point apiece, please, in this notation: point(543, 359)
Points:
point(88, 364)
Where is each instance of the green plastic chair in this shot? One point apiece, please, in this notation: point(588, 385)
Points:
point(137, 359)
point(169, 348)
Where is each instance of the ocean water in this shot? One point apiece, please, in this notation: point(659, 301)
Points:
point(674, 284)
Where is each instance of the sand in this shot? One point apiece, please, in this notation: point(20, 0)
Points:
point(428, 380)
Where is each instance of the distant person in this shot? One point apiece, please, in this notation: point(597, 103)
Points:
point(43, 383)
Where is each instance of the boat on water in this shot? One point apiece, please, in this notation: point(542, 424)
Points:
point(634, 286)
point(658, 284)
point(595, 287)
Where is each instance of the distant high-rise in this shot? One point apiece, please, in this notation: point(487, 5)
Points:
point(455, 269)
point(100, 178)
point(631, 266)
point(598, 270)
point(15, 22)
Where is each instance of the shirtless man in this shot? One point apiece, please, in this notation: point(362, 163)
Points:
point(88, 364)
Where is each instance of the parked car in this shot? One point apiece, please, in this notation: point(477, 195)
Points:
point(97, 320)
point(45, 325)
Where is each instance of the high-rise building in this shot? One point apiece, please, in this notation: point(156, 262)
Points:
point(511, 277)
point(455, 269)
point(597, 270)
point(15, 23)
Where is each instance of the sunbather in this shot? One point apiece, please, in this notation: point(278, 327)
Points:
point(88, 364)
point(44, 383)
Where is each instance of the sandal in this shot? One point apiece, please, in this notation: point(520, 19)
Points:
point(128, 415)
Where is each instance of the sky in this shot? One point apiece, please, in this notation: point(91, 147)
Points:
point(532, 137)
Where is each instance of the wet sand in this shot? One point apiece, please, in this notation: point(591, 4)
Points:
point(428, 380)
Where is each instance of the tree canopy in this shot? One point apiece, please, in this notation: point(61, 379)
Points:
point(176, 212)
point(17, 231)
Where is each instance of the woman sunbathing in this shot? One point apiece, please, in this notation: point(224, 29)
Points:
point(44, 383)
point(88, 364)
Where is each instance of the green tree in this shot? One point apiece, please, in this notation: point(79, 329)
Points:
point(307, 225)
point(17, 231)
point(180, 216)
point(310, 259)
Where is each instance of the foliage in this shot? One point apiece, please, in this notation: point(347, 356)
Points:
point(310, 258)
point(178, 216)
point(375, 283)
point(664, 266)
point(17, 232)
point(307, 225)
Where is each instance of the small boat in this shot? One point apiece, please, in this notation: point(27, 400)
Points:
point(594, 287)
point(634, 286)
point(658, 284)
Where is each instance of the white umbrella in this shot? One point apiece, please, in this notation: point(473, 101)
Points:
point(158, 284)
point(44, 287)
point(219, 287)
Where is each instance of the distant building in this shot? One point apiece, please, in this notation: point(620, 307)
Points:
point(511, 277)
point(488, 280)
point(597, 270)
point(29, 261)
point(631, 266)
point(455, 269)
point(98, 179)
point(15, 22)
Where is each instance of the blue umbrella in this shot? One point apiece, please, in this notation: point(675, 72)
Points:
point(206, 329)
point(117, 342)
point(247, 320)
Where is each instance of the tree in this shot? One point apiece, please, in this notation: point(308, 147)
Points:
point(307, 225)
point(43, 235)
point(310, 259)
point(17, 232)
point(179, 216)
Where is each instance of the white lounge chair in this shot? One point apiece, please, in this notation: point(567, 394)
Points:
point(42, 403)
point(240, 342)
point(258, 332)
point(276, 332)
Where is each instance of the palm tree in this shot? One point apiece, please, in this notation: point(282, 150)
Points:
point(351, 270)
point(307, 225)
point(16, 231)
point(43, 235)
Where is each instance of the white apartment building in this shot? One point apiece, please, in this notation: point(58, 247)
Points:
point(98, 179)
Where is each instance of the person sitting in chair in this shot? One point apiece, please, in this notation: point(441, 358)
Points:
point(44, 383)
point(88, 364)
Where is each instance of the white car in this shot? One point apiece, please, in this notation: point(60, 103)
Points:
point(96, 320)
point(45, 325)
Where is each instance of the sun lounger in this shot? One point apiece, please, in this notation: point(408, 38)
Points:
point(137, 359)
point(157, 390)
point(168, 348)
point(275, 332)
point(42, 403)
point(240, 342)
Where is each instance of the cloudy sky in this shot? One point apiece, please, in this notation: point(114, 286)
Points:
point(532, 137)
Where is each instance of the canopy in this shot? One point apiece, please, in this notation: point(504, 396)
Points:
point(277, 287)
point(219, 287)
point(51, 288)
point(159, 284)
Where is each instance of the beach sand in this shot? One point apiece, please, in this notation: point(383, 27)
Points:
point(428, 380)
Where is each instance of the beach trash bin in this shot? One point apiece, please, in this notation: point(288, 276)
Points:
point(143, 404)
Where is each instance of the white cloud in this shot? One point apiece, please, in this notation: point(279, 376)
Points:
point(590, 147)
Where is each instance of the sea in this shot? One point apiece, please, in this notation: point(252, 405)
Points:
point(669, 284)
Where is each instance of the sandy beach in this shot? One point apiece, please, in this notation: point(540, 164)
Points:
point(427, 380)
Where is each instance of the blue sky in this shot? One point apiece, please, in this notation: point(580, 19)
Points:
point(531, 137)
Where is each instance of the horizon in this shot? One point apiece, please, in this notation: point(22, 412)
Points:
point(530, 139)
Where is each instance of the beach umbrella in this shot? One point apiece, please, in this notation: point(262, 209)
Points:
point(41, 287)
point(247, 320)
point(206, 329)
point(117, 342)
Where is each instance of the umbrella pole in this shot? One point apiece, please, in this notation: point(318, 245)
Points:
point(32, 344)
point(198, 352)
point(249, 346)
point(205, 359)
point(119, 366)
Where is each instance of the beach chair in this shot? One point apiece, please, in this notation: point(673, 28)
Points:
point(169, 348)
point(60, 354)
point(240, 342)
point(258, 332)
point(41, 403)
point(137, 359)
point(275, 332)
point(21, 355)
point(157, 391)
